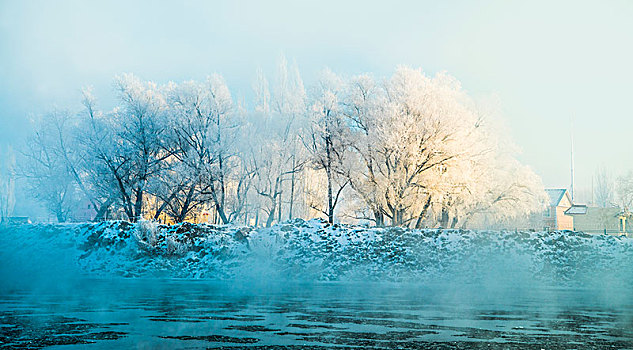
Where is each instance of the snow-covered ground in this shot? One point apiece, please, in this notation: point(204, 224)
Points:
point(271, 288)
point(314, 250)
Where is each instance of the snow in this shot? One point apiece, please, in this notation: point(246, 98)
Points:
point(315, 250)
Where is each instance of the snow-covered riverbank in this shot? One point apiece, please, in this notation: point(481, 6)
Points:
point(314, 250)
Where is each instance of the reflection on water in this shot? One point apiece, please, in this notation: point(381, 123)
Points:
point(180, 314)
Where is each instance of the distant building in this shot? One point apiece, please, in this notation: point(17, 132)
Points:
point(84, 212)
point(554, 217)
point(599, 220)
point(576, 209)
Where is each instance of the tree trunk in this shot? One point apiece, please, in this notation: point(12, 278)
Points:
point(138, 206)
point(59, 213)
point(271, 215)
point(418, 223)
point(246, 211)
point(125, 198)
point(380, 218)
point(292, 189)
point(184, 210)
point(167, 202)
point(103, 209)
point(279, 206)
point(454, 222)
point(444, 218)
point(221, 213)
point(330, 208)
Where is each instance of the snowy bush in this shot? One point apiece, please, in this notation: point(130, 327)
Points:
point(145, 232)
point(315, 250)
point(265, 244)
point(174, 247)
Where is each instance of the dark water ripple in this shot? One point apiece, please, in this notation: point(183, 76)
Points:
point(176, 314)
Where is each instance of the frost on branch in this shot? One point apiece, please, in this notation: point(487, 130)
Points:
point(408, 150)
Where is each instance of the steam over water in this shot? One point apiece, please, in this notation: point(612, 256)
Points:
point(310, 285)
point(187, 314)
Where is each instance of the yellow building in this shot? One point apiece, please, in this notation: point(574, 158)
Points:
point(554, 217)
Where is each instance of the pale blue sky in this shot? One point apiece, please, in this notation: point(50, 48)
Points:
point(546, 61)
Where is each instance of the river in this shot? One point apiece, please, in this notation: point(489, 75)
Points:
point(195, 314)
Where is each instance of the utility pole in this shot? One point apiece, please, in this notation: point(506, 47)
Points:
point(592, 200)
point(572, 158)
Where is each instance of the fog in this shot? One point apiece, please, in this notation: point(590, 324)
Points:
point(238, 174)
point(547, 63)
point(488, 294)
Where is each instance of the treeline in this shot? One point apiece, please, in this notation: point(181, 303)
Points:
point(408, 150)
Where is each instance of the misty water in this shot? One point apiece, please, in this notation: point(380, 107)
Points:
point(193, 314)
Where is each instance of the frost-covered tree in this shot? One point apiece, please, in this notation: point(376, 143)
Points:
point(272, 164)
point(326, 139)
point(275, 151)
point(363, 107)
point(7, 182)
point(604, 188)
point(507, 190)
point(205, 160)
point(624, 189)
point(45, 165)
point(93, 140)
point(423, 154)
point(427, 126)
point(406, 131)
point(182, 187)
point(128, 146)
point(413, 150)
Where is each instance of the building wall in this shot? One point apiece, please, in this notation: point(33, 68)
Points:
point(84, 212)
point(597, 220)
point(549, 218)
point(564, 222)
point(555, 219)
